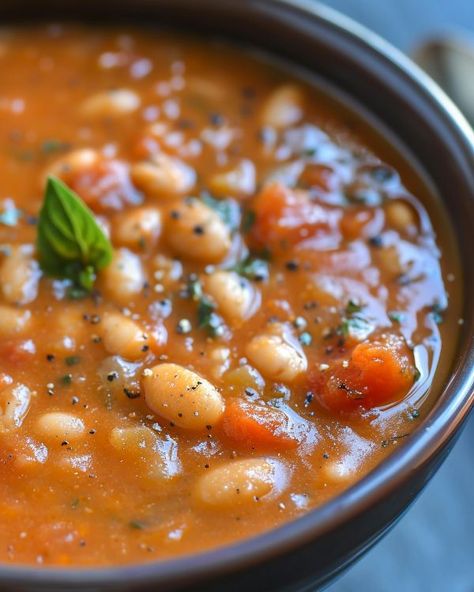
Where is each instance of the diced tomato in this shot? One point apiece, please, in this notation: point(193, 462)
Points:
point(378, 373)
point(258, 426)
point(284, 215)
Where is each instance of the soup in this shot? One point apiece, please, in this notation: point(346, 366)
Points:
point(222, 300)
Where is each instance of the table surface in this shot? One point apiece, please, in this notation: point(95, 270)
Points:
point(432, 547)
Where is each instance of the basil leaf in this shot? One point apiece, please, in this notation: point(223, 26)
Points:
point(70, 243)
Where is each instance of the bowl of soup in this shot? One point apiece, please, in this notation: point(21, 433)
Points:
point(235, 247)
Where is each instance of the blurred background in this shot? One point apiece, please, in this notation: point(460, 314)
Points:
point(432, 547)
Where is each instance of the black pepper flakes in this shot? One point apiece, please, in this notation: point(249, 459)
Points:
point(131, 394)
point(376, 241)
point(292, 265)
point(198, 229)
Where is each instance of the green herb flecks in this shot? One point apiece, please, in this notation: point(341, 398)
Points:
point(437, 312)
point(353, 307)
point(71, 245)
point(206, 315)
point(248, 220)
point(253, 269)
point(137, 525)
point(53, 146)
point(357, 327)
point(208, 319)
point(72, 360)
point(227, 209)
point(396, 316)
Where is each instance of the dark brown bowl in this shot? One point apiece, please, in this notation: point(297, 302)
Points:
point(309, 552)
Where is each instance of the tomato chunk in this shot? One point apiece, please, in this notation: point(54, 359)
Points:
point(284, 215)
point(378, 373)
point(258, 426)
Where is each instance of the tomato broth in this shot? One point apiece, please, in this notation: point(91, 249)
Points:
point(222, 298)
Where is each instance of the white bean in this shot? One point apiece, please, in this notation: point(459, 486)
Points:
point(284, 107)
point(57, 425)
point(277, 354)
point(123, 337)
point(124, 278)
point(195, 231)
point(156, 455)
point(239, 181)
point(237, 299)
point(163, 176)
point(14, 405)
point(73, 162)
point(19, 275)
point(236, 482)
point(400, 215)
point(13, 321)
point(182, 397)
point(111, 103)
point(138, 228)
point(167, 271)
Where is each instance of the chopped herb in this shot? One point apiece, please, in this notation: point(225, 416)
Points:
point(75, 503)
point(413, 414)
point(264, 254)
point(353, 307)
point(72, 360)
point(382, 173)
point(437, 313)
point(356, 327)
point(208, 319)
point(66, 379)
point(227, 209)
point(253, 269)
point(52, 146)
point(137, 524)
point(309, 152)
point(248, 220)
point(396, 316)
point(71, 245)
point(76, 293)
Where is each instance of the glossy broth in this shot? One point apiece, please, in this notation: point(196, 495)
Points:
point(265, 238)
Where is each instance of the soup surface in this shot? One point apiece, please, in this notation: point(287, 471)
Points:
point(244, 321)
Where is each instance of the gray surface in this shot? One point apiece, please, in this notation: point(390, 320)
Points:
point(432, 547)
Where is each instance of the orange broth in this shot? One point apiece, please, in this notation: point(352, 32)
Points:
point(264, 238)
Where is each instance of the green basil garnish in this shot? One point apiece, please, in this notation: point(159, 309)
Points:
point(70, 243)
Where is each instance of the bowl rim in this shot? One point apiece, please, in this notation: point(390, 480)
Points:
point(439, 426)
